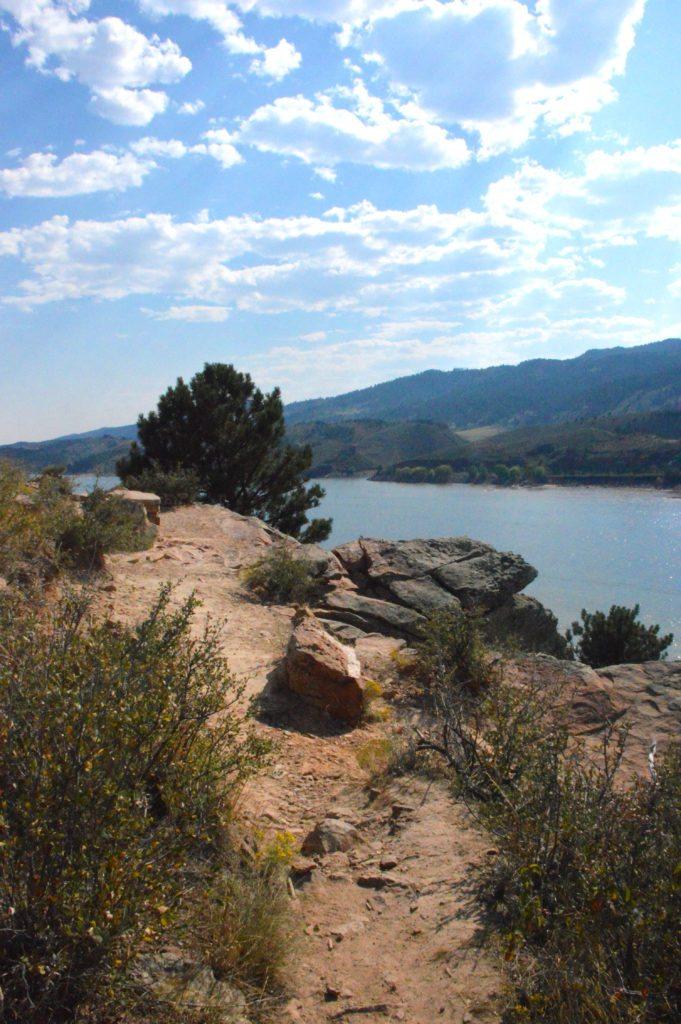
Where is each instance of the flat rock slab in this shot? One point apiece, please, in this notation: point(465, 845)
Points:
point(372, 614)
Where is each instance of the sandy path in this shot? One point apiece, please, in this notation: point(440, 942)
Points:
point(411, 948)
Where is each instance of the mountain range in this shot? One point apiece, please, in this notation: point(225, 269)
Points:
point(599, 382)
point(596, 411)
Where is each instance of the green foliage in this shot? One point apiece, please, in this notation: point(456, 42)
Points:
point(110, 779)
point(107, 523)
point(616, 638)
point(451, 655)
point(177, 488)
point(222, 428)
point(586, 886)
point(43, 529)
point(282, 577)
point(443, 474)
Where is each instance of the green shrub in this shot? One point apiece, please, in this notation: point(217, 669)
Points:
point(33, 516)
point(177, 488)
point(451, 654)
point(588, 888)
point(109, 780)
point(108, 523)
point(281, 577)
point(443, 474)
point(586, 884)
point(616, 638)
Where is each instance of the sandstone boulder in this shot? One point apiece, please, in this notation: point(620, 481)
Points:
point(398, 583)
point(324, 671)
point(474, 573)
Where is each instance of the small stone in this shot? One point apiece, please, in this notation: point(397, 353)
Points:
point(329, 836)
point(388, 863)
point(331, 994)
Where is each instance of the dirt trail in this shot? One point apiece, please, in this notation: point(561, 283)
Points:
point(391, 924)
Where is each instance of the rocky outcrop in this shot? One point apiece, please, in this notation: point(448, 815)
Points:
point(391, 586)
point(324, 671)
point(644, 697)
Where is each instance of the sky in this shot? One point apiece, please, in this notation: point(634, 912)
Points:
point(326, 193)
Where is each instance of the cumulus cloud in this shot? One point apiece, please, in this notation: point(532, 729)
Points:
point(277, 61)
point(273, 62)
point(323, 133)
point(495, 67)
point(665, 159)
point(42, 175)
point(113, 59)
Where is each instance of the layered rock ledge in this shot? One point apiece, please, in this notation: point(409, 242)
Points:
point(389, 587)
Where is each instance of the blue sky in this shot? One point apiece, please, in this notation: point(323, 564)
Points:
point(327, 193)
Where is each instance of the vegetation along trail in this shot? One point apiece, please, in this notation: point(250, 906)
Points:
point(386, 929)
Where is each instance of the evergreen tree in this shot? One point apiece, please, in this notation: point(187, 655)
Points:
point(222, 428)
point(616, 638)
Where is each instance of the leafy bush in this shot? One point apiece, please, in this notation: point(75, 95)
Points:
point(586, 887)
point(107, 523)
point(451, 655)
point(33, 516)
point(174, 488)
point(109, 780)
point(283, 578)
point(616, 638)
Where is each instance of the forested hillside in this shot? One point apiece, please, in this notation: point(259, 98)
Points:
point(619, 381)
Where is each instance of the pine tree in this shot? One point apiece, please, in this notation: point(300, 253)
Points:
point(230, 435)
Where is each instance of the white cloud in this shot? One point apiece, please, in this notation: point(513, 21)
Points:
point(150, 146)
point(191, 107)
point(135, 107)
point(273, 62)
point(113, 59)
point(323, 133)
point(219, 143)
point(630, 163)
point(277, 61)
point(496, 67)
point(194, 314)
point(41, 174)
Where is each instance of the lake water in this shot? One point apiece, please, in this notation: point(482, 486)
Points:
point(592, 546)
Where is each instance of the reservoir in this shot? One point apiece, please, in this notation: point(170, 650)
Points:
point(592, 546)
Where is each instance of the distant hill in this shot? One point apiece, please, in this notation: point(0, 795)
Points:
point(362, 445)
point(617, 380)
point(93, 452)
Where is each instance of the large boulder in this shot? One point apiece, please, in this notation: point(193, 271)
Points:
point(151, 503)
point(324, 671)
